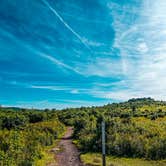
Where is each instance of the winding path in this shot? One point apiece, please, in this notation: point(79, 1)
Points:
point(68, 155)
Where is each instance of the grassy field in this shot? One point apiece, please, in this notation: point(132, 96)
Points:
point(48, 156)
point(93, 159)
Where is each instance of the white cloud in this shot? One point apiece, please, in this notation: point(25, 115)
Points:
point(69, 89)
point(142, 47)
point(74, 91)
point(59, 63)
point(143, 51)
point(54, 88)
point(103, 67)
point(66, 24)
point(92, 43)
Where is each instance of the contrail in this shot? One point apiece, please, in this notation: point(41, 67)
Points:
point(57, 62)
point(65, 24)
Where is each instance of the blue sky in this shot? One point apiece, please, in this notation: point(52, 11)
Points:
point(71, 53)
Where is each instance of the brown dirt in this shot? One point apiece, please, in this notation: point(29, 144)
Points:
point(68, 154)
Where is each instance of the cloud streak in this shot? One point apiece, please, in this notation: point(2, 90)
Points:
point(66, 24)
point(59, 63)
point(118, 53)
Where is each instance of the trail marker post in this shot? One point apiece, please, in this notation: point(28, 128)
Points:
point(103, 143)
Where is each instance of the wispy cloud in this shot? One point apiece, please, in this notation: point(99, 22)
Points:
point(103, 67)
point(68, 89)
point(142, 49)
point(66, 24)
point(59, 63)
point(74, 91)
point(92, 43)
point(118, 55)
point(54, 88)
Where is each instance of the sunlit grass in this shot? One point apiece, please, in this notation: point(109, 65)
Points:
point(94, 159)
point(46, 159)
point(48, 156)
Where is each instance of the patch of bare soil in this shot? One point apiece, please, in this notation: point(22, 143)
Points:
point(68, 154)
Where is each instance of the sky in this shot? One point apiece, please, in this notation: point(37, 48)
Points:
point(72, 53)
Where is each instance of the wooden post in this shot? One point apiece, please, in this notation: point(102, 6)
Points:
point(103, 143)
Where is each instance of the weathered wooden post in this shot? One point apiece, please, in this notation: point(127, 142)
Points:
point(103, 143)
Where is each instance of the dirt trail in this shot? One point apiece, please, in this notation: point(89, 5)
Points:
point(68, 155)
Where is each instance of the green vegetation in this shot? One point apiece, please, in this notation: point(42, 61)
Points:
point(135, 129)
point(25, 134)
point(94, 159)
point(135, 133)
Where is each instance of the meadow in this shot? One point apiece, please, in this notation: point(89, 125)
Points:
point(135, 133)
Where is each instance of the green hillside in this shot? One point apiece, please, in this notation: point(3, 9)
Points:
point(134, 129)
